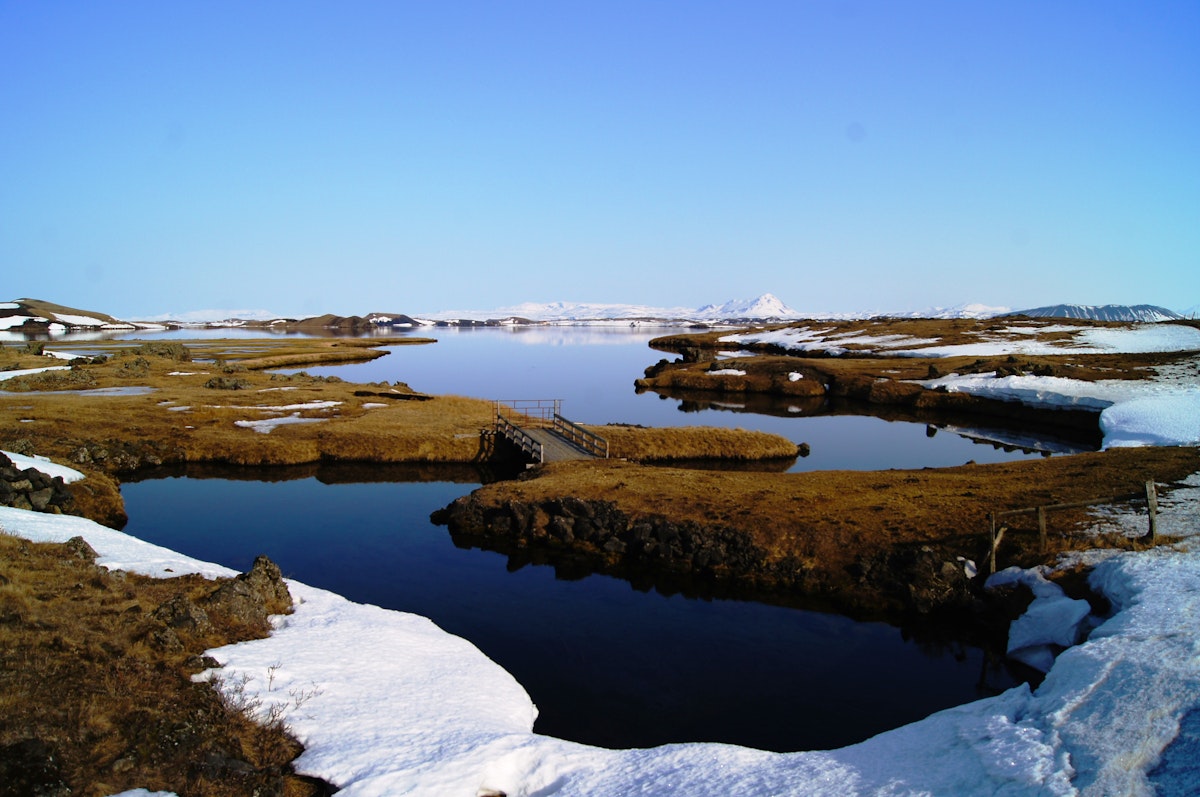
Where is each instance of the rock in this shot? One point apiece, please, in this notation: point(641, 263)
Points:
point(21, 445)
point(78, 548)
point(252, 597)
point(266, 579)
point(31, 489)
point(40, 499)
point(181, 612)
point(235, 602)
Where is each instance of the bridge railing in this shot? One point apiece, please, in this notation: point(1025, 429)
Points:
point(529, 412)
point(590, 442)
point(520, 438)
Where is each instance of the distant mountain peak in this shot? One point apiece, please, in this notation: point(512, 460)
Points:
point(767, 305)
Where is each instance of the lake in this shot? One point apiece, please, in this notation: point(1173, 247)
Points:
point(606, 663)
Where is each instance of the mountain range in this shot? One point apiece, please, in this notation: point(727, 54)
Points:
point(33, 315)
point(1108, 312)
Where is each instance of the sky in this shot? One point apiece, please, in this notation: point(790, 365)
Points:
point(411, 157)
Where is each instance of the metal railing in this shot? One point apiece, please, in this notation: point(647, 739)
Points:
point(529, 412)
point(520, 438)
point(511, 415)
point(590, 442)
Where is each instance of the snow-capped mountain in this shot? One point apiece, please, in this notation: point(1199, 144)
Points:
point(957, 311)
point(766, 306)
point(1109, 312)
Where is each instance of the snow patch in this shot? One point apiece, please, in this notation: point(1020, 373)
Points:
point(27, 371)
point(45, 465)
point(267, 425)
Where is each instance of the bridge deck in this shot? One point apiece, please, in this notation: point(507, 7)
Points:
point(556, 448)
point(535, 427)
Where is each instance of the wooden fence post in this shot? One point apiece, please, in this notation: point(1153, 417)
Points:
point(1041, 515)
point(992, 544)
point(1152, 505)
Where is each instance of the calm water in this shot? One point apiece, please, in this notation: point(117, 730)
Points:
point(605, 663)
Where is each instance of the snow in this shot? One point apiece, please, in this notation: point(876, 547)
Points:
point(27, 371)
point(208, 316)
point(766, 306)
point(267, 425)
point(43, 464)
point(1051, 621)
point(79, 320)
point(308, 405)
point(727, 372)
point(1161, 411)
point(1015, 339)
point(10, 321)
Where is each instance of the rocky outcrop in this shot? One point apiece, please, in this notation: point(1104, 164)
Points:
point(32, 489)
point(122, 456)
point(245, 603)
point(601, 537)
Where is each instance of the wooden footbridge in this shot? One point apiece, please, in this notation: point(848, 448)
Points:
point(537, 428)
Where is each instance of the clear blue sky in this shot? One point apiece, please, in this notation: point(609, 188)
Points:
point(416, 156)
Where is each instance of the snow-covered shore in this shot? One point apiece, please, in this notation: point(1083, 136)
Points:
point(386, 703)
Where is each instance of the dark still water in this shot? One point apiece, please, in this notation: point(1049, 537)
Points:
point(605, 664)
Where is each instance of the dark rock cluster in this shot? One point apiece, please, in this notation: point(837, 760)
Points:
point(119, 455)
point(32, 489)
point(908, 579)
point(600, 529)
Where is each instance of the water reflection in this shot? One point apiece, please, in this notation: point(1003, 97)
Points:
point(1011, 436)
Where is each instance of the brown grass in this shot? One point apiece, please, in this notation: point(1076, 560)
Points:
point(188, 419)
point(831, 518)
point(87, 670)
point(651, 444)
